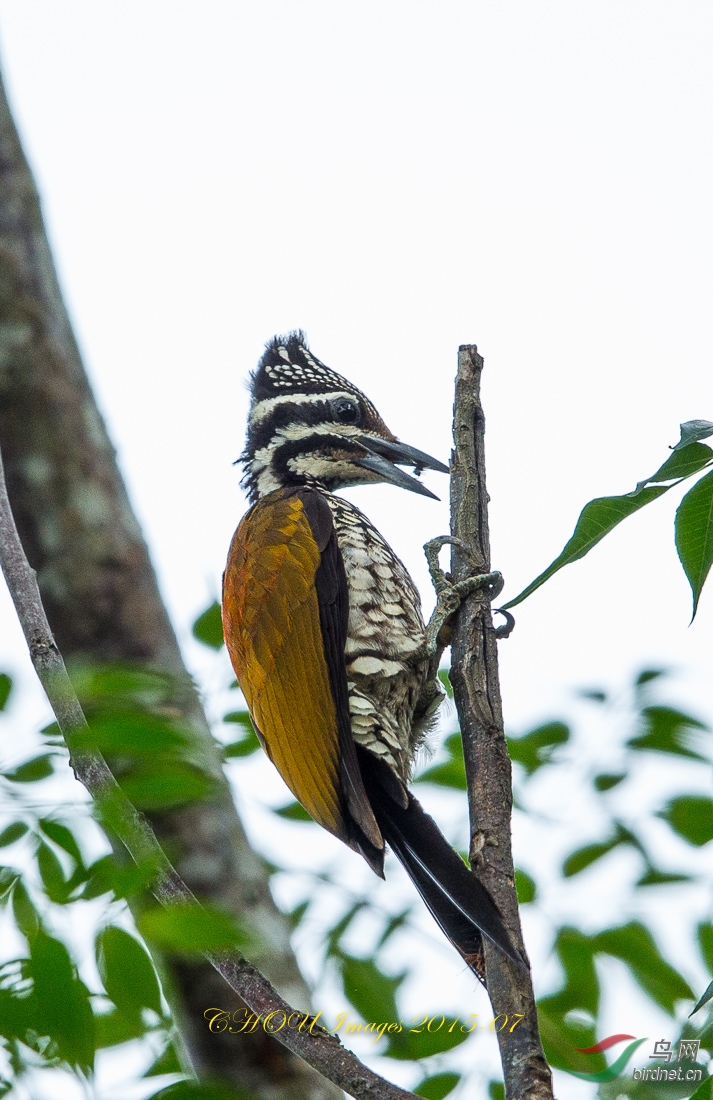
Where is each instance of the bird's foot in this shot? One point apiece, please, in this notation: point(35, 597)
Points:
point(450, 594)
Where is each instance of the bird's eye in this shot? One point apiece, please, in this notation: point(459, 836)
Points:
point(346, 410)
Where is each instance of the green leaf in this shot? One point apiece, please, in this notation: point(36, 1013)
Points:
point(606, 781)
point(32, 771)
point(26, 916)
point(190, 1090)
point(704, 1091)
point(496, 1090)
point(704, 999)
point(12, 833)
point(240, 718)
point(167, 1062)
point(52, 734)
point(668, 730)
point(589, 854)
point(424, 1039)
point(8, 878)
point(694, 535)
point(208, 627)
point(392, 925)
point(335, 934)
point(653, 877)
point(106, 688)
point(63, 837)
point(535, 749)
point(237, 749)
point(192, 929)
point(295, 915)
point(596, 520)
point(17, 1011)
point(294, 811)
point(692, 430)
point(634, 945)
point(581, 984)
point(114, 1028)
point(525, 887)
point(593, 695)
point(127, 972)
point(133, 732)
point(438, 1086)
point(445, 678)
point(63, 1006)
point(106, 875)
point(647, 675)
point(5, 689)
point(680, 464)
point(562, 1035)
point(161, 787)
point(705, 942)
point(52, 874)
point(369, 990)
point(453, 745)
point(691, 816)
point(247, 744)
point(451, 773)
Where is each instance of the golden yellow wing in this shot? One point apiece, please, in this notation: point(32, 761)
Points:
point(271, 621)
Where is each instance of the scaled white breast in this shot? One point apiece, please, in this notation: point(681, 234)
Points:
point(385, 629)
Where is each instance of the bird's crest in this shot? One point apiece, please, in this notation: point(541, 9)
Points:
point(288, 367)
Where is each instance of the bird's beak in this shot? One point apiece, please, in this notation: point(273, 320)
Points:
point(383, 453)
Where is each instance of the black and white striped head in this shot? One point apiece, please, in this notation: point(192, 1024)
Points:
point(309, 426)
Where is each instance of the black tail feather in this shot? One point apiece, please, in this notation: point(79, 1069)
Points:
point(457, 900)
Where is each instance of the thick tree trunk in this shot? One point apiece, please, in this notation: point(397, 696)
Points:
point(103, 603)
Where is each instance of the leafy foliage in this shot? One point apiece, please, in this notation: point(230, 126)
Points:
point(5, 689)
point(127, 972)
point(208, 627)
point(51, 1017)
point(691, 816)
point(694, 518)
point(569, 1015)
point(128, 710)
point(536, 748)
point(184, 930)
point(694, 534)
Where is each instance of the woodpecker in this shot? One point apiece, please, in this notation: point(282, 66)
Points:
point(324, 629)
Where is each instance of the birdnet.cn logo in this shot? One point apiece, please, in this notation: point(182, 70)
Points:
point(663, 1053)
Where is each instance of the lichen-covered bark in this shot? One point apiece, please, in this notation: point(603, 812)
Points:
point(476, 687)
point(103, 603)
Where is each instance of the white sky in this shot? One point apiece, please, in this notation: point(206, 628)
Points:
point(396, 178)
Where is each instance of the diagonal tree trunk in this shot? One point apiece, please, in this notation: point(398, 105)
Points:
point(103, 603)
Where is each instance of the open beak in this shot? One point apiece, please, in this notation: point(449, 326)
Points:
point(384, 453)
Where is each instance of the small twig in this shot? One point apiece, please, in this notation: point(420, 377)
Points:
point(320, 1049)
point(474, 677)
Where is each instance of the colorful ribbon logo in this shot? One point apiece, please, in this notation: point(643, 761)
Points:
point(616, 1067)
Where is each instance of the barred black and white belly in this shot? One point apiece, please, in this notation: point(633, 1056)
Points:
point(389, 698)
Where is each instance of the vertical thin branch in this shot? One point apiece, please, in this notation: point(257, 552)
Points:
point(475, 680)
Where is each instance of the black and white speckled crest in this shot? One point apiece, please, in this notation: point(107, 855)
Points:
point(289, 367)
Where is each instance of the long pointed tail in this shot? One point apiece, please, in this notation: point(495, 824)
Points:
point(457, 900)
